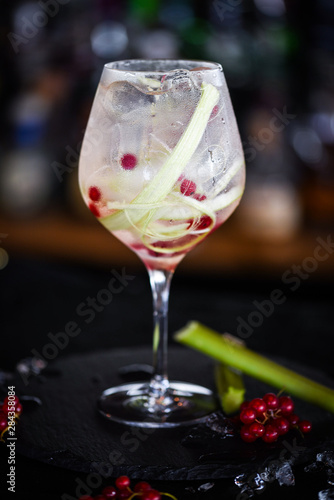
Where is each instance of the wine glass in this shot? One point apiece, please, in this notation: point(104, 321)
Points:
point(161, 167)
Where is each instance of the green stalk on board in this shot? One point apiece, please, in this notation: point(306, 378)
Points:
point(225, 350)
point(230, 388)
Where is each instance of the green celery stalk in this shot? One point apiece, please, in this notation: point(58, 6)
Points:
point(230, 387)
point(227, 351)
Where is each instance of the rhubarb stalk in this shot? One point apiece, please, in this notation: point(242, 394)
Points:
point(232, 353)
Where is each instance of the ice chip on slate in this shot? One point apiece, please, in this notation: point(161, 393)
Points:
point(327, 458)
point(240, 480)
point(314, 467)
point(284, 475)
point(220, 424)
point(257, 483)
point(269, 473)
point(123, 98)
point(330, 477)
point(326, 494)
point(206, 486)
point(250, 484)
point(30, 366)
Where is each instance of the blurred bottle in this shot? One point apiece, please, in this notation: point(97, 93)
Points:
point(271, 207)
point(26, 182)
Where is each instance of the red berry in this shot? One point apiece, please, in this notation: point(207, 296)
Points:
point(128, 161)
point(151, 495)
point(188, 188)
point(259, 406)
point(93, 208)
point(94, 193)
point(271, 401)
point(3, 421)
point(305, 426)
point(18, 408)
point(142, 486)
point(248, 415)
point(204, 222)
point(282, 425)
point(271, 433)
point(293, 419)
point(122, 482)
point(109, 492)
point(246, 435)
point(257, 429)
point(199, 197)
point(286, 405)
point(244, 405)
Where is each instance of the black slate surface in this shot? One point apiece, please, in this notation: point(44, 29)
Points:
point(67, 431)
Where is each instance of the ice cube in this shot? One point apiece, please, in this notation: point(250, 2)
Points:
point(284, 475)
point(327, 458)
point(269, 473)
point(257, 483)
point(30, 366)
point(220, 424)
point(330, 477)
point(179, 80)
point(326, 494)
point(206, 486)
point(180, 91)
point(250, 484)
point(240, 480)
point(123, 98)
point(314, 467)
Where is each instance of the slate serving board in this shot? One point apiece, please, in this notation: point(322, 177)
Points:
point(66, 429)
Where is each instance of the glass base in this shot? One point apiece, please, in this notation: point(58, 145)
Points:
point(135, 404)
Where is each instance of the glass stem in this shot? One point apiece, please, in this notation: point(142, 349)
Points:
point(160, 284)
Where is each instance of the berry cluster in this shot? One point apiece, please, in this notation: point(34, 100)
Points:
point(268, 418)
point(122, 490)
point(10, 404)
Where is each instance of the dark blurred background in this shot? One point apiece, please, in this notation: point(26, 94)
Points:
point(279, 64)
